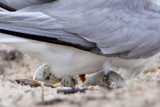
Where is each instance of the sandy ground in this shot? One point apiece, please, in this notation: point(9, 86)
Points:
point(141, 92)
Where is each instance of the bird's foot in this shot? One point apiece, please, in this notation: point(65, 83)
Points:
point(112, 79)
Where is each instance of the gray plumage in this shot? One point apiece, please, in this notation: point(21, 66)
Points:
point(119, 28)
point(19, 4)
point(123, 28)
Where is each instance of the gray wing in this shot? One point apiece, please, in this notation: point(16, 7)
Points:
point(36, 23)
point(115, 28)
point(18, 4)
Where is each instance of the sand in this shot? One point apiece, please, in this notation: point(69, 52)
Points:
point(144, 91)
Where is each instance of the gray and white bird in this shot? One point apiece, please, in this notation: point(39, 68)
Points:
point(87, 36)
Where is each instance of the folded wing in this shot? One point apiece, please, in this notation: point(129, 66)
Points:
point(114, 30)
point(18, 4)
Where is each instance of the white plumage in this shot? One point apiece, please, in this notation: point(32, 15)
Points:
point(122, 33)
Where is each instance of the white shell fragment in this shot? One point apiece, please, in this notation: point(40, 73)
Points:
point(44, 74)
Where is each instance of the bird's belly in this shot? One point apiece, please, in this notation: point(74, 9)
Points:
point(63, 59)
point(68, 61)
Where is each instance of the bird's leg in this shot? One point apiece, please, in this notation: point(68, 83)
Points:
point(106, 67)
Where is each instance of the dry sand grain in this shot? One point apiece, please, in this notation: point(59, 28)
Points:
point(144, 91)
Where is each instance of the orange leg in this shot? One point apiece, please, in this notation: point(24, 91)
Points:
point(82, 78)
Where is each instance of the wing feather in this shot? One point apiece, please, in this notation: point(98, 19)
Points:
point(36, 23)
point(18, 4)
point(115, 28)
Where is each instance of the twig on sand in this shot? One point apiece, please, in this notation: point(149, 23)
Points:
point(32, 83)
point(18, 99)
point(2, 71)
point(58, 100)
point(71, 91)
